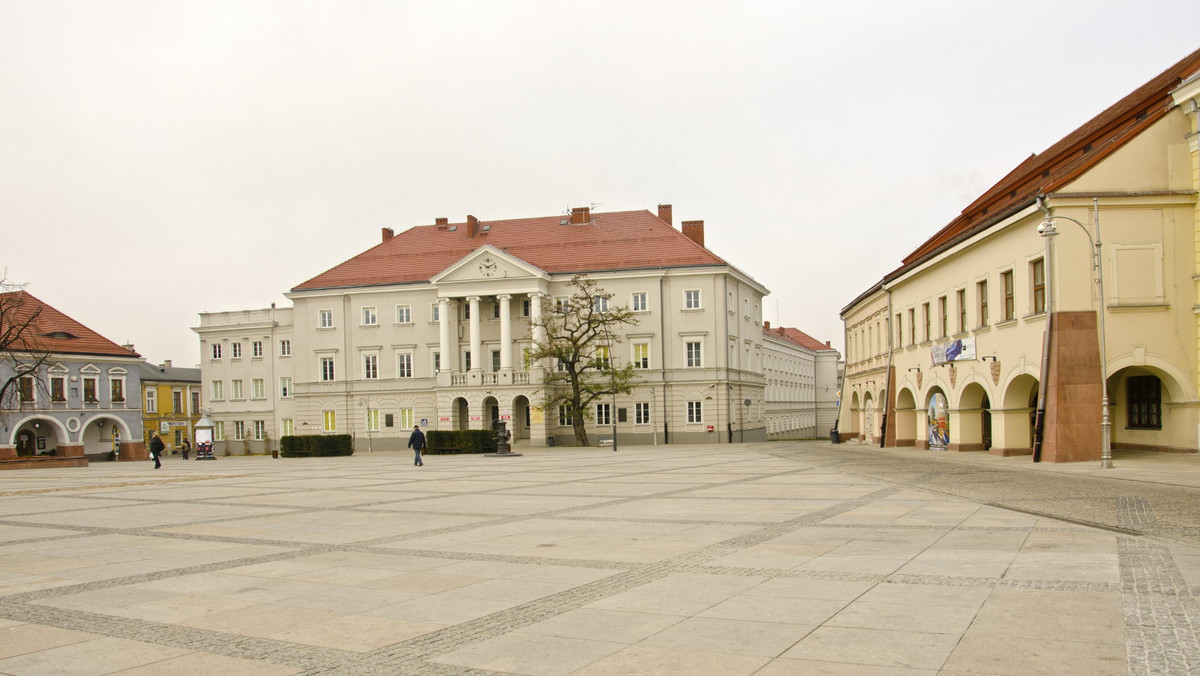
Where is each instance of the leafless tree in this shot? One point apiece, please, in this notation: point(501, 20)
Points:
point(22, 352)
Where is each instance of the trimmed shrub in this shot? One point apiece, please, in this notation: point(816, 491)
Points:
point(310, 445)
point(446, 442)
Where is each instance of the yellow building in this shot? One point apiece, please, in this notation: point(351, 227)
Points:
point(1001, 333)
point(170, 403)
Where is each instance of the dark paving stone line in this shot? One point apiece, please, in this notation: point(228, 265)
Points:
point(1162, 620)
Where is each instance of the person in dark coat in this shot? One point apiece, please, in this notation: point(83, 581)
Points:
point(416, 441)
point(186, 448)
point(156, 449)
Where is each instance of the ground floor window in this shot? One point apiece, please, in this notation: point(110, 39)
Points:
point(603, 414)
point(1143, 397)
point(641, 412)
point(695, 412)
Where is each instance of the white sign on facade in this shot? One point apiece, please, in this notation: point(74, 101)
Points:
point(955, 350)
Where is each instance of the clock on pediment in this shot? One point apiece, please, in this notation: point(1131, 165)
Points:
point(487, 266)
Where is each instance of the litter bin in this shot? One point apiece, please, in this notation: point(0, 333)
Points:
point(833, 436)
point(550, 441)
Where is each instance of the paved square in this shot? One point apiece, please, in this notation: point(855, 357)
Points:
point(667, 559)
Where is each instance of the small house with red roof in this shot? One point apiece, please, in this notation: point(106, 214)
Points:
point(1056, 315)
point(75, 393)
point(430, 327)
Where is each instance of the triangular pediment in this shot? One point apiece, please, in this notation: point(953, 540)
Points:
point(489, 266)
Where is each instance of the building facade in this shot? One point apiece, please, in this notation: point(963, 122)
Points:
point(432, 325)
point(995, 333)
point(171, 398)
point(801, 383)
point(81, 402)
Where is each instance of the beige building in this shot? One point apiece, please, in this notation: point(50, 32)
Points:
point(801, 376)
point(431, 327)
point(947, 350)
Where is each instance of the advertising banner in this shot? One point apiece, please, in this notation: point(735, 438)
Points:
point(956, 350)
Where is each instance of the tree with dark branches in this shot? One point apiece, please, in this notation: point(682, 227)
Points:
point(22, 354)
point(580, 338)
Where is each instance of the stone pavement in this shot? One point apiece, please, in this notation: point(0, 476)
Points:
point(766, 559)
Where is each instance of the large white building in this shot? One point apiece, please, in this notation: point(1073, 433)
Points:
point(801, 379)
point(431, 326)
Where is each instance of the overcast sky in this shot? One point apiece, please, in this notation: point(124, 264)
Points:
point(159, 159)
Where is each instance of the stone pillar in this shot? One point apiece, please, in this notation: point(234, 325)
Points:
point(535, 312)
point(444, 324)
point(476, 338)
point(505, 331)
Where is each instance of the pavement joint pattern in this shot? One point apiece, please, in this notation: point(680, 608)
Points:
point(834, 521)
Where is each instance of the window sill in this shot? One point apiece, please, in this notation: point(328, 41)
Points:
point(1006, 323)
point(368, 326)
point(982, 329)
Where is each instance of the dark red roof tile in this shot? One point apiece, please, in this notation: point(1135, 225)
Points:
point(54, 331)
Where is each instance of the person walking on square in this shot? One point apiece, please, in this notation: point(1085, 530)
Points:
point(156, 449)
point(186, 448)
point(416, 441)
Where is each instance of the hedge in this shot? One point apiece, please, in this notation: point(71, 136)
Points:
point(447, 442)
point(315, 445)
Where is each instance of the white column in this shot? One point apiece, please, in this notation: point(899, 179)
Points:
point(535, 311)
point(476, 344)
point(444, 324)
point(504, 300)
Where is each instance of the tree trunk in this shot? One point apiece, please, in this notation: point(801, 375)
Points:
point(580, 427)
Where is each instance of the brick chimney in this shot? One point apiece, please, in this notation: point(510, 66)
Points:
point(580, 215)
point(694, 230)
point(472, 226)
point(827, 344)
point(388, 233)
point(767, 325)
point(664, 213)
point(441, 222)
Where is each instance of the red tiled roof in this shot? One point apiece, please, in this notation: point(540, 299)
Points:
point(622, 240)
point(1062, 162)
point(53, 331)
point(796, 336)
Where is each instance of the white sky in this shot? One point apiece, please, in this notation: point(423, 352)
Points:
point(159, 159)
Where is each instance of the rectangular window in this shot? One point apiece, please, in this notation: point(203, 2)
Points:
point(330, 421)
point(943, 317)
point(691, 299)
point(368, 317)
point(177, 401)
point(603, 414)
point(256, 348)
point(641, 355)
point(693, 355)
point(603, 360)
point(1010, 307)
point(258, 388)
point(912, 326)
point(218, 430)
point(285, 348)
point(239, 430)
point(406, 419)
point(899, 329)
point(600, 304)
point(285, 427)
point(90, 394)
point(526, 307)
point(216, 350)
point(495, 361)
point(638, 302)
point(326, 369)
point(404, 314)
point(1143, 398)
point(195, 401)
point(370, 367)
point(217, 390)
point(404, 365)
point(467, 360)
point(560, 365)
point(925, 320)
point(238, 393)
point(496, 310)
point(981, 292)
point(960, 297)
point(58, 388)
point(695, 412)
point(466, 311)
point(1038, 272)
point(25, 389)
point(260, 429)
point(325, 319)
point(116, 389)
point(562, 305)
point(235, 350)
point(285, 387)
point(372, 420)
point(641, 413)
point(564, 416)
point(437, 362)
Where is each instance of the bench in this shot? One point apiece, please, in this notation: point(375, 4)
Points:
point(606, 441)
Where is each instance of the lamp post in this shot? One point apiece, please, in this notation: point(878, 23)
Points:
point(366, 404)
point(1047, 229)
point(612, 415)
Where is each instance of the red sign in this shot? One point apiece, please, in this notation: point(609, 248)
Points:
point(710, 428)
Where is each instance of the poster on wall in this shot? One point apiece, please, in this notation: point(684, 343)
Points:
point(955, 350)
point(939, 422)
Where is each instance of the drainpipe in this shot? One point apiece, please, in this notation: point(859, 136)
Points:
point(887, 375)
point(1039, 429)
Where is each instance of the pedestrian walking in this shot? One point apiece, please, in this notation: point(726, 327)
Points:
point(416, 441)
point(156, 449)
point(185, 448)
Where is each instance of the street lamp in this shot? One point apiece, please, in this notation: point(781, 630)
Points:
point(366, 404)
point(612, 368)
point(1047, 229)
